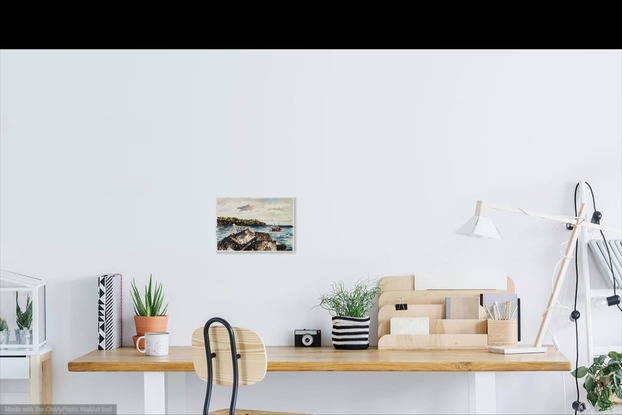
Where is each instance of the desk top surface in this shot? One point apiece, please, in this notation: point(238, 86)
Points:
point(327, 359)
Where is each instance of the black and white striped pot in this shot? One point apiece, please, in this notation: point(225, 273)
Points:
point(351, 332)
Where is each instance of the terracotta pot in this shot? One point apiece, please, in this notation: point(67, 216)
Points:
point(144, 324)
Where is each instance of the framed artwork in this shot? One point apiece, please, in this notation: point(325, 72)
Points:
point(255, 224)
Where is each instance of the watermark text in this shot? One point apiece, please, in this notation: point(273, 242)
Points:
point(74, 409)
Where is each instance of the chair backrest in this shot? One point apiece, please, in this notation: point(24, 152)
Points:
point(252, 363)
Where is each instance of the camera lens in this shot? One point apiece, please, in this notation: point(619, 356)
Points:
point(307, 340)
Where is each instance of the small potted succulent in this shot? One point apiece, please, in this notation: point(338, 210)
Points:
point(23, 319)
point(149, 308)
point(4, 331)
point(603, 381)
point(350, 311)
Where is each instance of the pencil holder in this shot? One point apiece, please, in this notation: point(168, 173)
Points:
point(502, 332)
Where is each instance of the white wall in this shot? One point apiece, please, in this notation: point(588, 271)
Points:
point(111, 161)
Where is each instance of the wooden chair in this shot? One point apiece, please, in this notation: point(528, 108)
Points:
point(230, 356)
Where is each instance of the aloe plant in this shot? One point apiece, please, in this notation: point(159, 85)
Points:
point(151, 303)
point(23, 318)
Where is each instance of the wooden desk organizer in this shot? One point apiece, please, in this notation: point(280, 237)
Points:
point(424, 296)
point(502, 332)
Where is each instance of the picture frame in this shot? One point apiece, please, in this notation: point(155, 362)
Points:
point(254, 224)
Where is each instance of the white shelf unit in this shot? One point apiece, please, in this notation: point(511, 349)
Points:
point(583, 257)
point(25, 355)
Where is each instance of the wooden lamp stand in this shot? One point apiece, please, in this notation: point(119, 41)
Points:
point(578, 222)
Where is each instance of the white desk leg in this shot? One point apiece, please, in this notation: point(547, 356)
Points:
point(155, 393)
point(176, 393)
point(482, 391)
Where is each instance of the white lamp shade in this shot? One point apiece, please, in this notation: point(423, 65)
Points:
point(480, 227)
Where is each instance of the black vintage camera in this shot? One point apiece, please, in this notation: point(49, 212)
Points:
point(307, 338)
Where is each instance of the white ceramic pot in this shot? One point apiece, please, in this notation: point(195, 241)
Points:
point(4, 336)
point(23, 336)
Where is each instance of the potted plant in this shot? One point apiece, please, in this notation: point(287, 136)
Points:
point(23, 333)
point(350, 311)
point(149, 309)
point(4, 331)
point(604, 380)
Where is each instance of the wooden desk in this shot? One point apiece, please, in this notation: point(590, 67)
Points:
point(480, 364)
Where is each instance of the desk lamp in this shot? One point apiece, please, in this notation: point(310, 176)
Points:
point(481, 226)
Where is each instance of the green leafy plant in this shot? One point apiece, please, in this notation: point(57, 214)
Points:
point(151, 304)
point(603, 381)
point(23, 319)
point(3, 324)
point(355, 302)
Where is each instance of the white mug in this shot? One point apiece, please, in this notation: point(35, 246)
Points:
point(156, 343)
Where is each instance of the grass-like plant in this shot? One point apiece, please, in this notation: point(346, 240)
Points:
point(23, 318)
point(3, 324)
point(151, 304)
point(603, 381)
point(355, 302)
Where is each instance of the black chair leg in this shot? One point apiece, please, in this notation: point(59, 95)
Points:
point(209, 356)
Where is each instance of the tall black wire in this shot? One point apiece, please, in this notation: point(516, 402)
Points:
point(576, 287)
point(576, 324)
point(576, 294)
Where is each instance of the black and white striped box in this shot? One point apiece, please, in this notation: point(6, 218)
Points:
point(109, 311)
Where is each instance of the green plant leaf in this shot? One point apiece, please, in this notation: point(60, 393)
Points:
point(604, 403)
point(139, 307)
point(148, 299)
point(592, 397)
point(615, 355)
point(579, 372)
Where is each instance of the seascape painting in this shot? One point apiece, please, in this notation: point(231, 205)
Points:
point(254, 224)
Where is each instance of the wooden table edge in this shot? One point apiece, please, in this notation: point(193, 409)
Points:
point(416, 367)
point(277, 362)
